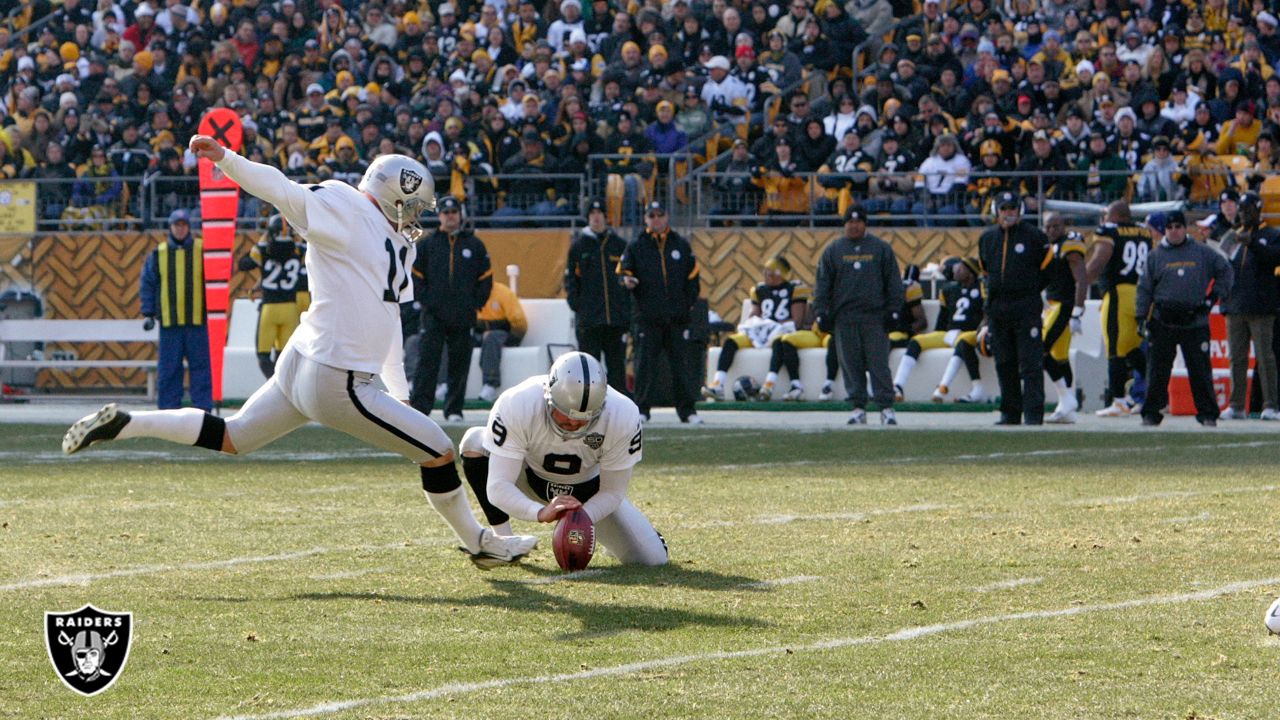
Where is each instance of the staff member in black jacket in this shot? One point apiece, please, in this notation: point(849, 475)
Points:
point(1182, 282)
point(452, 280)
point(1254, 253)
point(602, 305)
point(659, 269)
point(858, 291)
point(1013, 254)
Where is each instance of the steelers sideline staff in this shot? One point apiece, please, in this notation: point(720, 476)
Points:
point(1012, 255)
point(1183, 280)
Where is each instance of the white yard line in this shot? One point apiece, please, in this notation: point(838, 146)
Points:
point(1007, 584)
point(566, 577)
point(348, 575)
point(793, 580)
point(902, 635)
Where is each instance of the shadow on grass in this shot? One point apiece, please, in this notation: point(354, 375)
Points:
point(594, 619)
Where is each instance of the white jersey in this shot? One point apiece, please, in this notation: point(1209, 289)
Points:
point(358, 269)
point(519, 428)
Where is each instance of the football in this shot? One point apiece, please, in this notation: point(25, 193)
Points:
point(574, 541)
point(1272, 618)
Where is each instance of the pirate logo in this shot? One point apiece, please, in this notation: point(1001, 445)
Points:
point(594, 441)
point(409, 181)
point(88, 647)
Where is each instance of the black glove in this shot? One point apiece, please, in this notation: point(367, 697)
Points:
point(824, 323)
point(149, 324)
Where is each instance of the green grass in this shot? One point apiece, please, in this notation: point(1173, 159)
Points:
point(355, 593)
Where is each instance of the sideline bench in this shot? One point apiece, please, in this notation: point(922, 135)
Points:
point(40, 330)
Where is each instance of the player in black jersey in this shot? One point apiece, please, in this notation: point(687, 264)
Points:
point(1066, 272)
point(776, 305)
point(960, 311)
point(280, 257)
point(1118, 257)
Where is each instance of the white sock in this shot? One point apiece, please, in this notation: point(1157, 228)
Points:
point(456, 511)
point(721, 376)
point(503, 528)
point(771, 378)
point(176, 426)
point(1066, 396)
point(904, 370)
point(953, 369)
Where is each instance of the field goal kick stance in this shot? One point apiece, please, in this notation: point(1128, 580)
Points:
point(559, 442)
point(360, 249)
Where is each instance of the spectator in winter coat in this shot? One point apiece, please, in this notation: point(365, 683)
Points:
point(663, 134)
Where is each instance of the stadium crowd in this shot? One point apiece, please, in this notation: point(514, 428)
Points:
point(508, 101)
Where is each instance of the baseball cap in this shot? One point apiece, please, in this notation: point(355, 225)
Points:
point(1007, 199)
point(1176, 216)
point(531, 135)
point(1040, 135)
point(1231, 195)
point(179, 216)
point(315, 88)
point(855, 212)
point(596, 205)
point(655, 208)
point(1157, 221)
point(448, 203)
point(1160, 140)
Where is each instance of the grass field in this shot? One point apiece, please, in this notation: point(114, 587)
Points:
point(877, 574)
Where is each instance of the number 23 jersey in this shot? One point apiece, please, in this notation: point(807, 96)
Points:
point(520, 428)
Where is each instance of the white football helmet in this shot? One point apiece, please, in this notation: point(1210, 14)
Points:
point(404, 190)
point(576, 387)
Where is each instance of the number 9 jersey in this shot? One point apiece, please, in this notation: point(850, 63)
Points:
point(520, 428)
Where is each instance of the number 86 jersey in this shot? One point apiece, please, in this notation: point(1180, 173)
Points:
point(520, 428)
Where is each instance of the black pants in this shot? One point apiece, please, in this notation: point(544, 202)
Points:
point(863, 347)
point(607, 340)
point(1165, 341)
point(436, 336)
point(654, 341)
point(1014, 327)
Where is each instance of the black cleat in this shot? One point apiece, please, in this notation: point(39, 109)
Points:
point(103, 425)
point(1207, 422)
point(1149, 421)
point(1006, 420)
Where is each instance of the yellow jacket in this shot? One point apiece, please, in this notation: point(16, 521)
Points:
point(502, 307)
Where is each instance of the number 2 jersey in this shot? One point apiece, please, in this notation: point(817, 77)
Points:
point(281, 263)
point(358, 270)
point(1130, 244)
point(519, 428)
point(962, 307)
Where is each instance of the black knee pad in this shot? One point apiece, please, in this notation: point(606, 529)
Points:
point(441, 479)
point(477, 471)
point(212, 433)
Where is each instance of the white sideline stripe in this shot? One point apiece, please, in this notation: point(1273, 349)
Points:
point(86, 578)
point(780, 582)
point(567, 576)
point(1007, 584)
point(767, 520)
point(909, 633)
point(348, 575)
point(845, 517)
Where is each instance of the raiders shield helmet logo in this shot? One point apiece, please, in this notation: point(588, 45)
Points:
point(88, 647)
point(594, 440)
point(410, 181)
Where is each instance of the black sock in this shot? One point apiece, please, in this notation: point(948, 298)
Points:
point(477, 471)
point(441, 479)
point(212, 432)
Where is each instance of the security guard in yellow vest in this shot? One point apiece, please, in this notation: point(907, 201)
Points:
point(173, 290)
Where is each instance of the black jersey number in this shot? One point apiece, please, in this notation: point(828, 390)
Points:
point(397, 277)
point(634, 447)
point(561, 464)
point(498, 431)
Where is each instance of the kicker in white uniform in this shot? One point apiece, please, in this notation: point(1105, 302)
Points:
point(560, 441)
point(359, 254)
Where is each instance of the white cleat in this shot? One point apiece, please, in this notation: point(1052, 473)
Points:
point(828, 391)
point(859, 417)
point(1119, 408)
point(795, 393)
point(1061, 417)
point(1231, 414)
point(693, 419)
point(940, 394)
point(888, 417)
point(99, 427)
point(453, 418)
point(1269, 414)
point(976, 395)
point(488, 393)
point(497, 550)
point(713, 392)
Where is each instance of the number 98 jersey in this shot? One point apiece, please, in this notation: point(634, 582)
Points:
point(520, 428)
point(1130, 245)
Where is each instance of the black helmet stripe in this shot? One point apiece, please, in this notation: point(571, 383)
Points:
point(586, 383)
